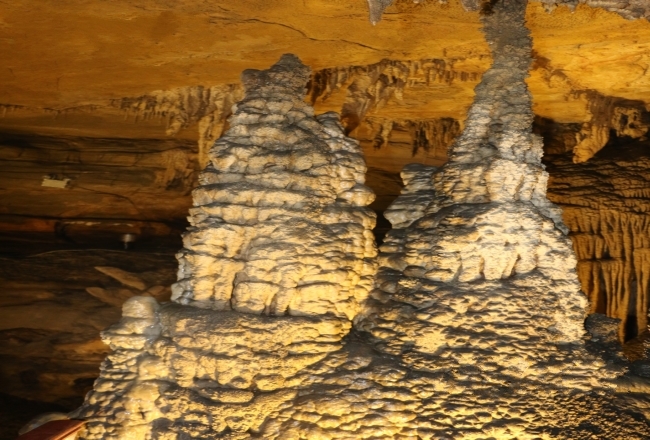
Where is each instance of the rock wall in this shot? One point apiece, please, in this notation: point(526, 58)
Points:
point(115, 185)
point(50, 316)
point(604, 204)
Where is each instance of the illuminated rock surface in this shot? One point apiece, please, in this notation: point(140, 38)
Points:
point(280, 223)
point(474, 330)
point(126, 97)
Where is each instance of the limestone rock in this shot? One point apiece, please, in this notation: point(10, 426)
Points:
point(280, 223)
point(127, 405)
point(625, 118)
point(478, 282)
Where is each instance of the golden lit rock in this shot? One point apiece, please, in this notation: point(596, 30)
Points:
point(474, 327)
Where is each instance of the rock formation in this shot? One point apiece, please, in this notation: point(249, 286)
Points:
point(604, 204)
point(477, 284)
point(474, 328)
point(279, 228)
point(623, 118)
point(207, 107)
point(279, 223)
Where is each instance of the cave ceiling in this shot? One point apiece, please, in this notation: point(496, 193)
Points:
point(125, 97)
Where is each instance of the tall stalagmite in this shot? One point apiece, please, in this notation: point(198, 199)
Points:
point(486, 258)
point(474, 328)
point(280, 224)
point(279, 227)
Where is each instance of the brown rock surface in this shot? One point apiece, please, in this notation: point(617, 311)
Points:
point(605, 205)
point(154, 70)
point(49, 325)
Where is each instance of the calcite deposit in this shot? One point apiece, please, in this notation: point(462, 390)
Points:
point(474, 328)
point(280, 224)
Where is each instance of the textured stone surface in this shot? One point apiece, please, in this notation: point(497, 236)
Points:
point(604, 203)
point(483, 265)
point(108, 109)
point(50, 324)
point(474, 329)
point(280, 223)
point(137, 74)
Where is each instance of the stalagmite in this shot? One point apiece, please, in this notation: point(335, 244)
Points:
point(474, 328)
point(279, 224)
point(280, 227)
point(477, 284)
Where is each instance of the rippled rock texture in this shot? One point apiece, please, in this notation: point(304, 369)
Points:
point(280, 223)
point(474, 328)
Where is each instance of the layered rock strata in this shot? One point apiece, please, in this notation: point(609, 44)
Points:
point(280, 224)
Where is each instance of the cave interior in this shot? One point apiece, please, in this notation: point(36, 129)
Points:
point(109, 111)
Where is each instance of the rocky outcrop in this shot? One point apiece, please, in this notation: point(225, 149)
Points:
point(279, 223)
point(114, 185)
point(623, 118)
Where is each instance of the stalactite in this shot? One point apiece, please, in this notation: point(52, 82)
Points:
point(430, 135)
point(208, 107)
point(368, 87)
point(373, 86)
point(605, 205)
point(376, 9)
point(629, 9)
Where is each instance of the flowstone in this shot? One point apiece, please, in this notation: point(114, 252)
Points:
point(474, 328)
